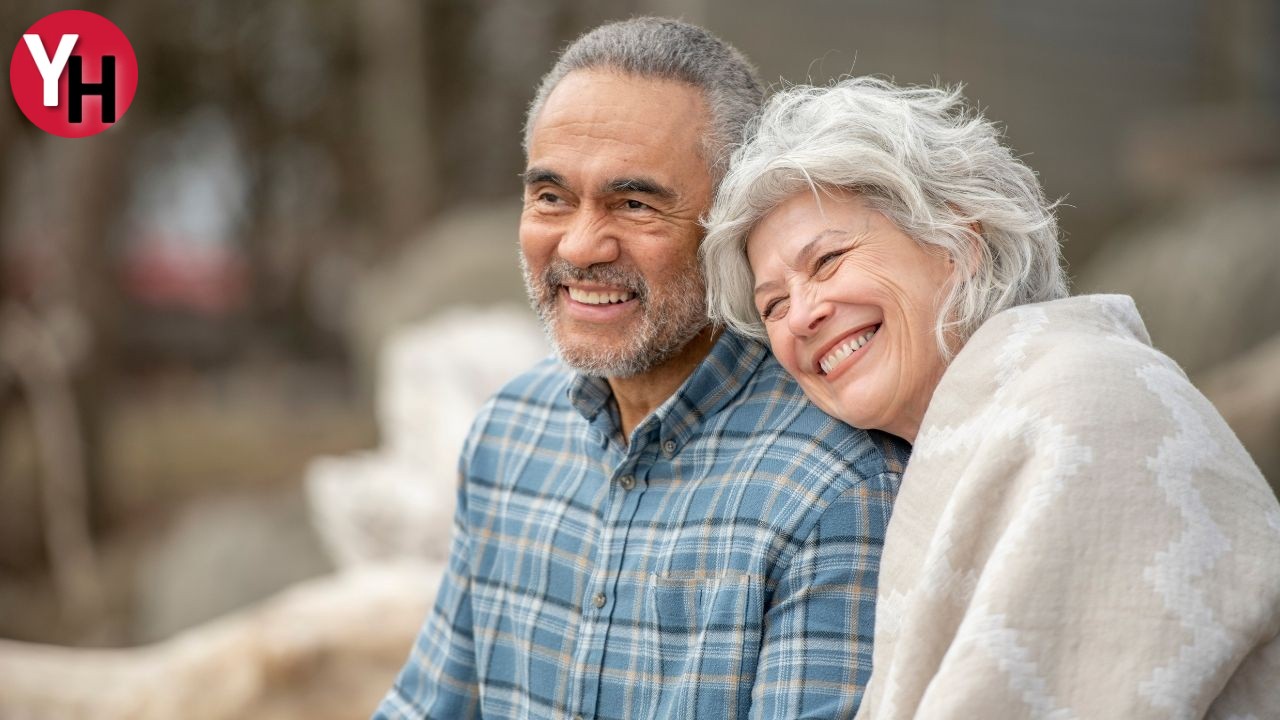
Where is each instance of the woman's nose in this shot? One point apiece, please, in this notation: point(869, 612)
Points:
point(807, 314)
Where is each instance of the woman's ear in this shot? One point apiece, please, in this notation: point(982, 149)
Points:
point(974, 244)
point(974, 248)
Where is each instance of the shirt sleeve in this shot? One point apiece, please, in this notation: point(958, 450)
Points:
point(815, 657)
point(439, 679)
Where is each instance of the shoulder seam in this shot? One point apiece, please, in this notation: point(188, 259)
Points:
point(784, 563)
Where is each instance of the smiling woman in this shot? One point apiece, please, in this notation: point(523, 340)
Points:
point(1077, 533)
point(840, 287)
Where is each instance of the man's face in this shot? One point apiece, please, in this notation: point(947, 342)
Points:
point(615, 185)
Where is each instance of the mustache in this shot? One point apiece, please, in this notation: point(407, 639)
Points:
point(561, 272)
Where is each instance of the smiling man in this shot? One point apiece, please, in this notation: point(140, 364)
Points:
point(655, 523)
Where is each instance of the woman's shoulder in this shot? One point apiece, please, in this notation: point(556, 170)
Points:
point(1082, 353)
point(1081, 375)
point(1078, 378)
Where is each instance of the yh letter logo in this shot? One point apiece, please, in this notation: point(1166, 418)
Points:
point(73, 73)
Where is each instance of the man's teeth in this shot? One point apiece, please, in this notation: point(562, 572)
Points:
point(600, 298)
point(836, 356)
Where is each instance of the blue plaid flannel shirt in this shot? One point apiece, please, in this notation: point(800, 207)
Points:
point(720, 564)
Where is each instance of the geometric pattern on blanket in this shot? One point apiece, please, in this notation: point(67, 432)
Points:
point(1078, 535)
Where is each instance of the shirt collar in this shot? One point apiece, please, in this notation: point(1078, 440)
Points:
point(714, 382)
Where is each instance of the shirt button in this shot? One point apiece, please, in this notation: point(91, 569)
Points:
point(598, 600)
point(669, 448)
point(628, 482)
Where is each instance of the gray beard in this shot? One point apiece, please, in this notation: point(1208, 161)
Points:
point(668, 322)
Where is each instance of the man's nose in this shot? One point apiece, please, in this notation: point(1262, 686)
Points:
point(588, 240)
point(807, 313)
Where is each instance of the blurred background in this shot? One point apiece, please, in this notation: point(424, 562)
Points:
point(196, 305)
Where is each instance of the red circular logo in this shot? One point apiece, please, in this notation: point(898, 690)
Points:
point(73, 73)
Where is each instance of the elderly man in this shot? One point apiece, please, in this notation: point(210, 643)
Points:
point(665, 527)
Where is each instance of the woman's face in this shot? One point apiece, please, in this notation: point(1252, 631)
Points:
point(850, 303)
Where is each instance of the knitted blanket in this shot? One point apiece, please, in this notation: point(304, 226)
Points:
point(1078, 535)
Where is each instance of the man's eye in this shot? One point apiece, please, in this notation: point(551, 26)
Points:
point(634, 205)
point(548, 197)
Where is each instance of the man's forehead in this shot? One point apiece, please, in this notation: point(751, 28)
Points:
point(610, 89)
point(610, 107)
point(605, 129)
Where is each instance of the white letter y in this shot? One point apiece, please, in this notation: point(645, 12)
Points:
point(50, 70)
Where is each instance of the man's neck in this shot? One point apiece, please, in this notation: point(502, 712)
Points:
point(637, 396)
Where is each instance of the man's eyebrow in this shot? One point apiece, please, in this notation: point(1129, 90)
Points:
point(802, 257)
point(535, 175)
point(640, 185)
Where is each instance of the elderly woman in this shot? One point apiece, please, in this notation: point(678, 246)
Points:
point(1078, 533)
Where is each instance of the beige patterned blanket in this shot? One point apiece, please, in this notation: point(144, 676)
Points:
point(1078, 535)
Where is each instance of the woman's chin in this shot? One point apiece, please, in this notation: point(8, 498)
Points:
point(842, 410)
point(853, 409)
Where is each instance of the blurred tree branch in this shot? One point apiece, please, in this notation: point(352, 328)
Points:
point(42, 363)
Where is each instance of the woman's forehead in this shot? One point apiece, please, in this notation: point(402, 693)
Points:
point(805, 222)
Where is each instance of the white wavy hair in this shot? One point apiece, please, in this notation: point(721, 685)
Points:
point(916, 154)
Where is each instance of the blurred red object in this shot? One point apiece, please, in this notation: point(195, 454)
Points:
point(163, 273)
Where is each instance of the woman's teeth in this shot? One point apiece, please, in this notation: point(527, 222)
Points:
point(836, 356)
point(600, 298)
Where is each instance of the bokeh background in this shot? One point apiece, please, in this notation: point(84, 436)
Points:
point(194, 305)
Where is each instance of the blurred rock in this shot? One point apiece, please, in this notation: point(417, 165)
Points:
point(1205, 275)
point(398, 501)
point(1246, 391)
point(1173, 154)
point(469, 256)
point(221, 554)
point(435, 375)
point(323, 650)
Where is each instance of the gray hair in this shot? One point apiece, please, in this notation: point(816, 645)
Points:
point(659, 48)
point(919, 156)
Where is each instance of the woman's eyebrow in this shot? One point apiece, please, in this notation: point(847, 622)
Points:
point(803, 256)
point(765, 287)
point(811, 247)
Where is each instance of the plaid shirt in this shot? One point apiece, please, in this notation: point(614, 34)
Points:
point(720, 564)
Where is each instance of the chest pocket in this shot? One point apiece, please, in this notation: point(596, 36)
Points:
point(703, 636)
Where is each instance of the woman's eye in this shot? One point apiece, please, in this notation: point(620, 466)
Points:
point(773, 308)
point(827, 258)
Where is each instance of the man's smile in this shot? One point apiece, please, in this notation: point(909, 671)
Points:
point(597, 304)
point(604, 296)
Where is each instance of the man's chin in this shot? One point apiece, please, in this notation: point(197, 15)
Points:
point(602, 360)
point(618, 350)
